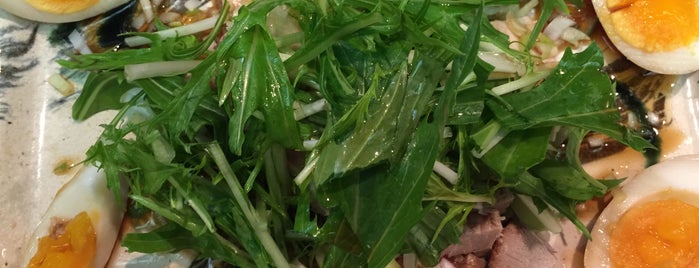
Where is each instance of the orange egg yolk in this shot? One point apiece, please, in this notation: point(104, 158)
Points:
point(74, 248)
point(663, 233)
point(61, 6)
point(655, 25)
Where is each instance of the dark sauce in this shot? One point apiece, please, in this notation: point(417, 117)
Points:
point(639, 93)
point(59, 35)
point(103, 32)
point(111, 26)
point(647, 130)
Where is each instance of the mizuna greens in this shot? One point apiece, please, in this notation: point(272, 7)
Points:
point(320, 146)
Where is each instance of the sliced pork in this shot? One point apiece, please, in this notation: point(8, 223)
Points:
point(520, 248)
point(478, 237)
point(469, 261)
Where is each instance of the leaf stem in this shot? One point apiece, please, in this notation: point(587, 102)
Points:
point(527, 80)
point(300, 58)
point(302, 178)
point(259, 226)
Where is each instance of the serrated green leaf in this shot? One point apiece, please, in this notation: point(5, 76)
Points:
point(557, 101)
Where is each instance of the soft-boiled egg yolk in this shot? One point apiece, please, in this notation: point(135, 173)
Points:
point(61, 6)
point(75, 246)
point(63, 239)
point(662, 233)
point(659, 35)
point(58, 11)
point(655, 25)
point(652, 220)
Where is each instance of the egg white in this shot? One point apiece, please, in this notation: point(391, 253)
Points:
point(22, 9)
point(677, 174)
point(86, 191)
point(682, 60)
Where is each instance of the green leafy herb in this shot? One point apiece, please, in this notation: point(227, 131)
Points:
point(405, 137)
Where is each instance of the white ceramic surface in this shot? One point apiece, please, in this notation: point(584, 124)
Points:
point(36, 132)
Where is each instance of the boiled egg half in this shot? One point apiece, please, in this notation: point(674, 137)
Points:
point(658, 35)
point(80, 226)
point(58, 11)
point(652, 220)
